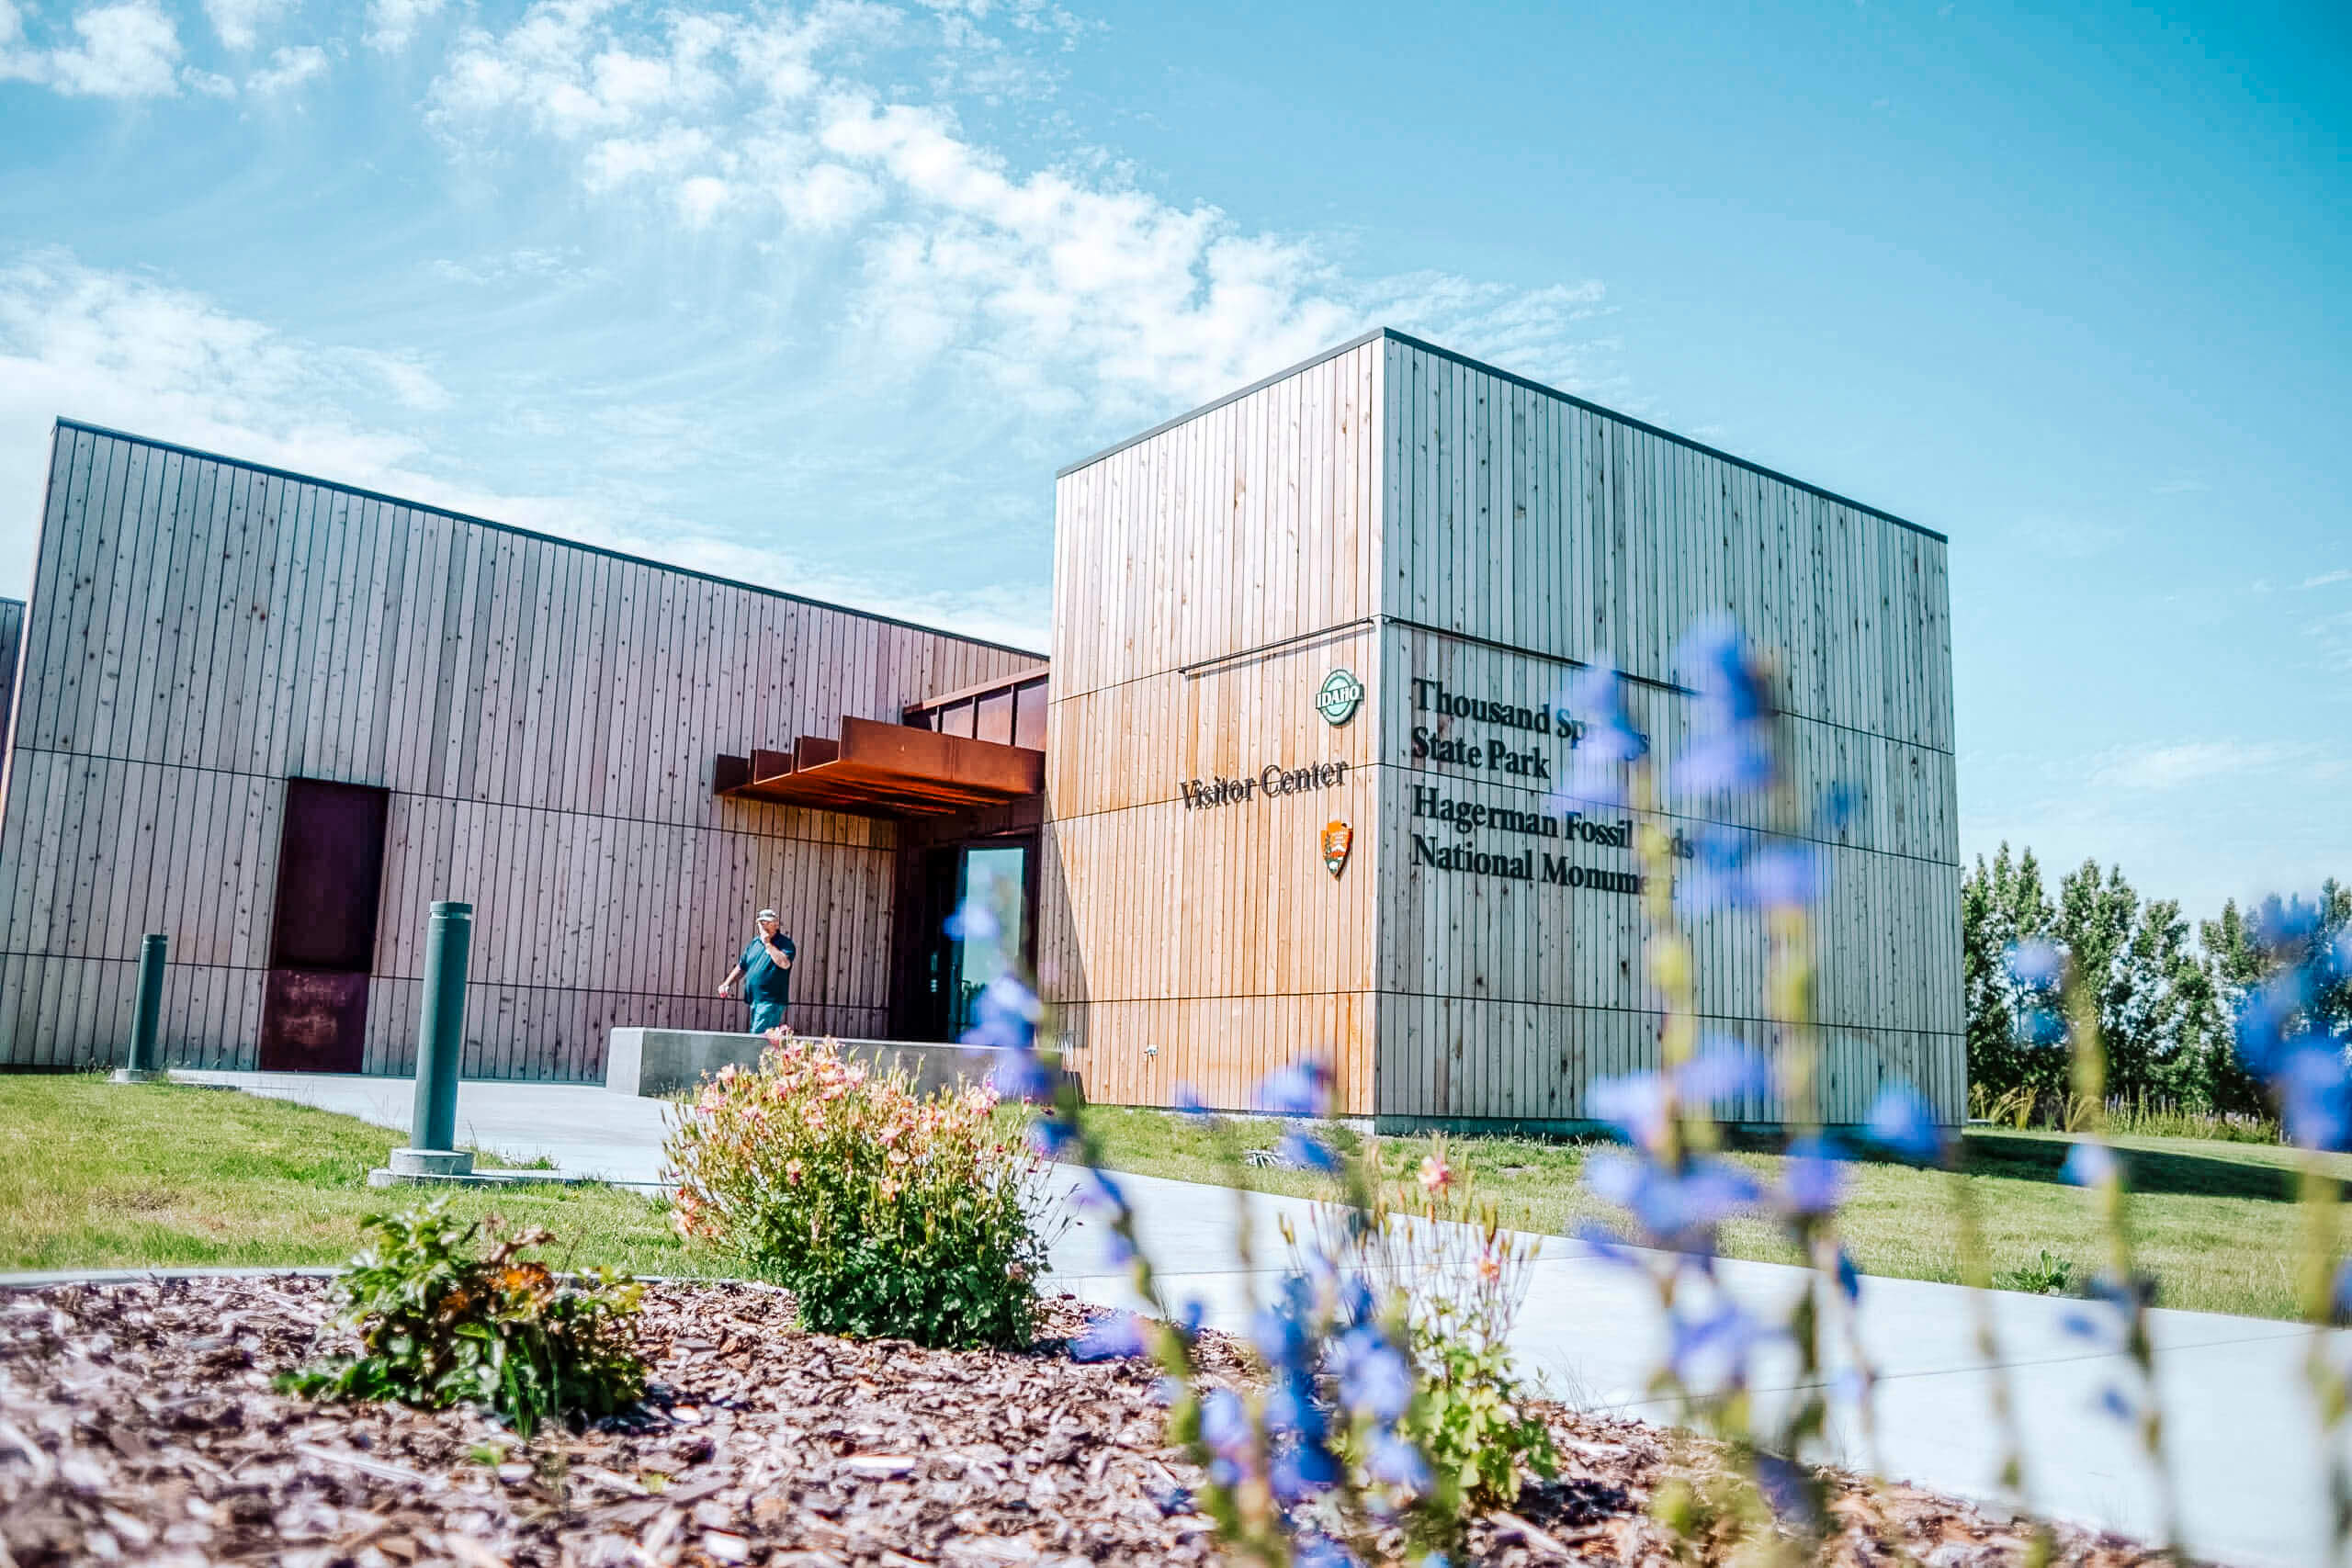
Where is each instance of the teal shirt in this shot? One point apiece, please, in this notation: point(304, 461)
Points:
point(764, 980)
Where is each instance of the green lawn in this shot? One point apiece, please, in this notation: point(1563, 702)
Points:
point(98, 1175)
point(2216, 1223)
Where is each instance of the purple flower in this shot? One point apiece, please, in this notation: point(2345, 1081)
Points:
point(1608, 739)
point(2036, 963)
point(1376, 1381)
point(1303, 1153)
point(1188, 1101)
point(1678, 1213)
point(1301, 1470)
point(1295, 1091)
point(1635, 1104)
point(1730, 750)
point(1051, 1136)
point(2314, 1098)
point(1787, 874)
point(2343, 1294)
point(1813, 1182)
point(1902, 1120)
point(1279, 1336)
point(1605, 1244)
point(1225, 1425)
point(1316, 1549)
point(1111, 1337)
point(1096, 1191)
point(2112, 1401)
point(1724, 1069)
point(1020, 1075)
point(2089, 1165)
point(1849, 1278)
point(1398, 1463)
point(974, 922)
point(1712, 1351)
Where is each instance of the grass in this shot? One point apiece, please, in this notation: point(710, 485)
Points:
point(97, 1175)
point(2216, 1221)
point(93, 1175)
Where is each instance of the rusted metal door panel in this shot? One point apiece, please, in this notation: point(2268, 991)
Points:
point(323, 927)
point(314, 1021)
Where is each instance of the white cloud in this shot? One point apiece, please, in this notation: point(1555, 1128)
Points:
point(392, 23)
point(287, 69)
point(130, 50)
point(2327, 578)
point(2159, 766)
point(1055, 288)
point(239, 22)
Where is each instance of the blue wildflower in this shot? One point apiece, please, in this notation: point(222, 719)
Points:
point(1849, 1278)
point(1787, 874)
point(1188, 1101)
point(1019, 1075)
point(974, 922)
point(1376, 1381)
point(2036, 963)
point(1813, 1181)
point(1111, 1337)
point(1316, 1549)
point(1398, 1463)
point(2088, 1165)
point(1608, 739)
point(1302, 1153)
point(1225, 1425)
point(1731, 750)
point(2111, 1400)
point(1605, 1244)
point(1713, 1351)
point(1051, 1136)
point(2314, 1097)
point(1676, 1211)
point(1784, 1489)
point(1634, 1103)
point(1902, 1120)
point(1295, 1091)
point(1725, 1069)
point(1096, 1191)
point(1301, 1470)
point(1840, 803)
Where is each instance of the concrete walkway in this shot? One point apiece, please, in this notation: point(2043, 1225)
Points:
point(2241, 1429)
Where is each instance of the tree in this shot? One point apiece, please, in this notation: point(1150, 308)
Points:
point(2135, 963)
point(2244, 950)
point(2000, 906)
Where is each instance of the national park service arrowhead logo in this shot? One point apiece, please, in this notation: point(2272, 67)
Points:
point(1338, 838)
point(1341, 694)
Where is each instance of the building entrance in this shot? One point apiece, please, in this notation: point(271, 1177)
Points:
point(994, 879)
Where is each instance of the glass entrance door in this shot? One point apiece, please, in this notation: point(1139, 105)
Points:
point(994, 881)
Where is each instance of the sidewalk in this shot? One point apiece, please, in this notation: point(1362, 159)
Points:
point(2240, 1426)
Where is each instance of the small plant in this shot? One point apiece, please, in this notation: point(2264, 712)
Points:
point(884, 1213)
point(1464, 1279)
point(441, 1321)
point(2048, 1275)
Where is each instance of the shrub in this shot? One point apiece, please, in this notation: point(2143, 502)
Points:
point(884, 1213)
point(440, 1321)
point(2047, 1275)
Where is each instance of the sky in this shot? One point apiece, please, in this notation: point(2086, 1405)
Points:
point(819, 295)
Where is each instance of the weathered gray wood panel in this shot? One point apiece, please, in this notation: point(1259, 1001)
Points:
point(545, 716)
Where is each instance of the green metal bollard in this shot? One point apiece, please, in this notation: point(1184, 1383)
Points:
point(147, 1011)
point(440, 1041)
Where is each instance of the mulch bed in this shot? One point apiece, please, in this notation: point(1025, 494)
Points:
point(137, 1424)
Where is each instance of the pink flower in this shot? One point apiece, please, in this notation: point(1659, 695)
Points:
point(1436, 1175)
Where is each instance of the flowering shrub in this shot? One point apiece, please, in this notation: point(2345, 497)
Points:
point(884, 1213)
point(439, 1323)
point(1464, 1279)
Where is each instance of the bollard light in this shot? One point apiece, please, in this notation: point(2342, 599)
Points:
point(146, 1012)
point(440, 1042)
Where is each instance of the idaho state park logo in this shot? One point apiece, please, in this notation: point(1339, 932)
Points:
point(1339, 697)
point(1337, 837)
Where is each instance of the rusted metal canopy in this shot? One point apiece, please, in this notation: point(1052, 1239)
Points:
point(885, 770)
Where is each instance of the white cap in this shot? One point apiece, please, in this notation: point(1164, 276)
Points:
point(767, 914)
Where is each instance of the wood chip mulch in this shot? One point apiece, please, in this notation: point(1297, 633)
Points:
point(138, 1425)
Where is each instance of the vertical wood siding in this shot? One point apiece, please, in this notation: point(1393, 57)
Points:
point(1207, 947)
point(545, 717)
point(1526, 519)
point(1381, 491)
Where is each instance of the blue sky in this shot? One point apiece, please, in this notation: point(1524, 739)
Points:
point(820, 295)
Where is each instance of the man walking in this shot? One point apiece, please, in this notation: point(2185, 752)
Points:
point(765, 969)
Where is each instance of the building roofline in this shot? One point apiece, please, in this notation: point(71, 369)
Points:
point(1393, 336)
point(63, 422)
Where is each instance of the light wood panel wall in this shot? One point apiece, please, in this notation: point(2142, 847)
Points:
point(12, 643)
point(545, 716)
point(1209, 946)
point(1408, 513)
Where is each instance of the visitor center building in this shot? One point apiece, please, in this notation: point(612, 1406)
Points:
point(1294, 780)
